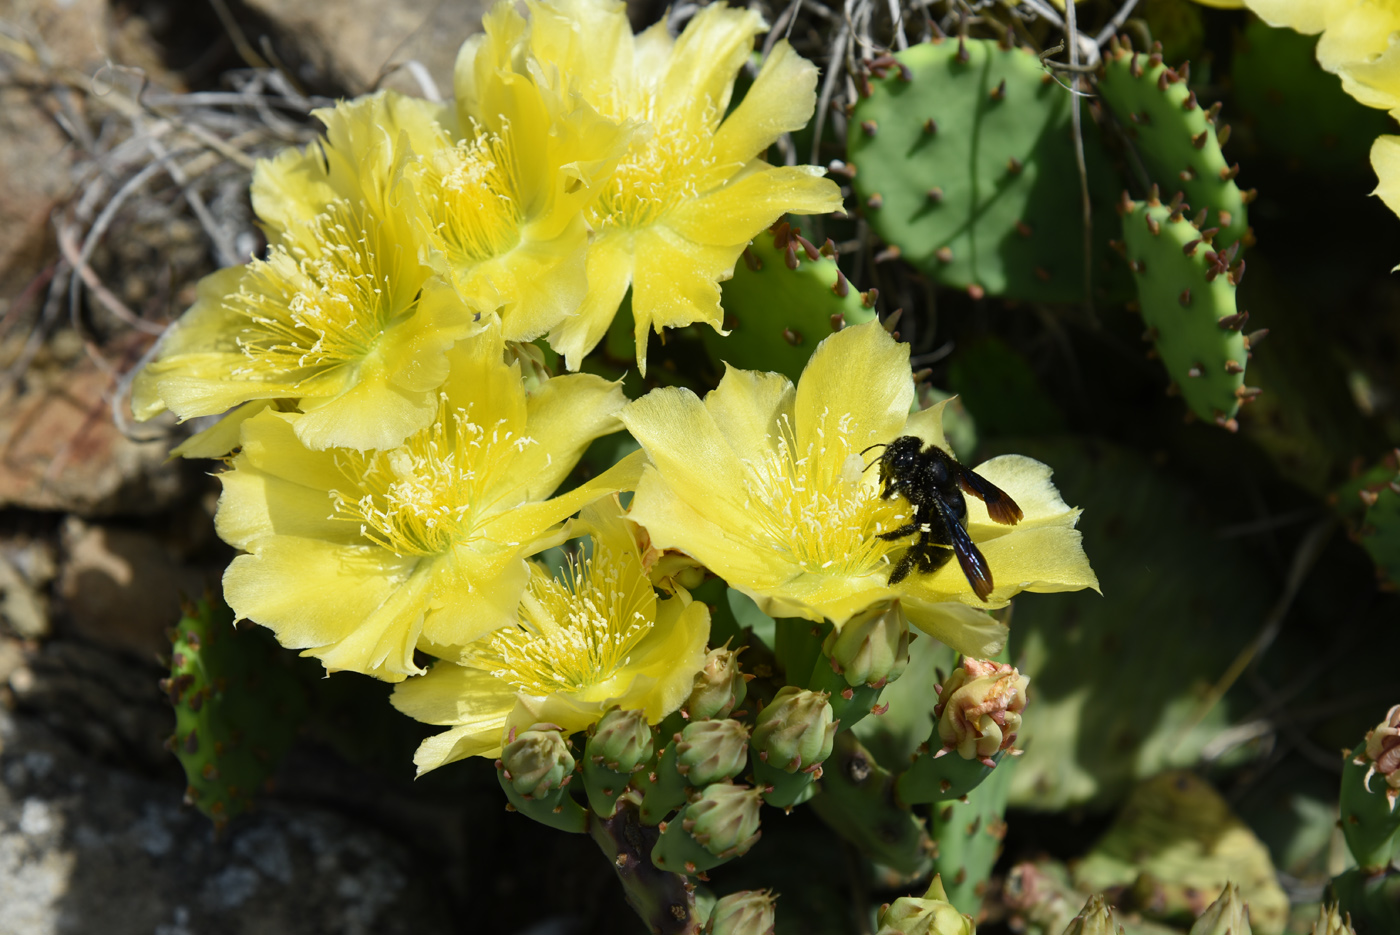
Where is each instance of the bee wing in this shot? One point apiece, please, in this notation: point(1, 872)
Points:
point(1000, 507)
point(974, 565)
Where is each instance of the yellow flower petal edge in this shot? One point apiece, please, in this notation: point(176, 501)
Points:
point(599, 638)
point(356, 557)
point(689, 194)
point(766, 486)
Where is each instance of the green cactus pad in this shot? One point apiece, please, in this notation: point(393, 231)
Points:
point(969, 832)
point(786, 295)
point(934, 778)
point(1294, 110)
point(1186, 291)
point(1380, 529)
point(238, 706)
point(1370, 820)
point(964, 160)
point(1175, 137)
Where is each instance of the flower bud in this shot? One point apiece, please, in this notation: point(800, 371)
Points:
point(534, 369)
point(537, 761)
point(712, 751)
point(1382, 753)
point(622, 741)
point(796, 730)
point(979, 709)
point(747, 912)
point(873, 647)
point(1096, 918)
point(1330, 922)
point(1228, 915)
point(719, 686)
point(930, 914)
point(720, 824)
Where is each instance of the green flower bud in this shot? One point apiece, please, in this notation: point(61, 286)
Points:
point(795, 731)
point(979, 709)
point(622, 741)
point(747, 912)
point(930, 914)
point(1096, 918)
point(1382, 754)
point(1329, 921)
point(872, 648)
point(718, 825)
point(719, 686)
point(1228, 915)
point(712, 751)
point(537, 761)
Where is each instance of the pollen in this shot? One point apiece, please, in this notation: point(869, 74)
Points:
point(322, 301)
point(673, 163)
point(817, 507)
point(470, 194)
point(431, 492)
point(576, 633)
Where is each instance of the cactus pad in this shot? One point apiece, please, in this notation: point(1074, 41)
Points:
point(1175, 137)
point(969, 832)
point(786, 295)
point(1380, 530)
point(1186, 290)
point(964, 161)
point(238, 705)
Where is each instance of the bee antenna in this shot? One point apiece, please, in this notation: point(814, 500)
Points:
point(876, 445)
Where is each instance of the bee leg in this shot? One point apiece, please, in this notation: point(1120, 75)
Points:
point(899, 533)
point(932, 558)
point(903, 567)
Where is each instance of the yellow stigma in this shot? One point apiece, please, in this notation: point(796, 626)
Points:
point(575, 633)
point(660, 170)
point(321, 302)
point(818, 509)
point(470, 196)
point(429, 493)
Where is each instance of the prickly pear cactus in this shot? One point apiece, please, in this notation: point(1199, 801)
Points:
point(1177, 140)
point(964, 162)
point(786, 295)
point(1380, 528)
point(238, 705)
point(969, 832)
point(1186, 291)
point(1296, 111)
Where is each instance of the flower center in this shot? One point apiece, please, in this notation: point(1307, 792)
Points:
point(659, 171)
point(575, 633)
point(818, 508)
point(470, 195)
point(319, 303)
point(428, 494)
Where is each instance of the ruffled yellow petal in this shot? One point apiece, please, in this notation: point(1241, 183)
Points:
point(736, 212)
point(780, 101)
point(675, 282)
point(609, 267)
point(221, 437)
point(1306, 16)
point(1047, 559)
point(565, 414)
point(700, 71)
point(965, 629)
point(857, 386)
point(1375, 83)
point(1027, 481)
point(590, 43)
point(750, 409)
point(927, 424)
point(1385, 159)
point(473, 702)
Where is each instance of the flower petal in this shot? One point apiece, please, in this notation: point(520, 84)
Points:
point(609, 267)
point(857, 385)
point(965, 629)
point(675, 282)
point(450, 694)
point(565, 415)
point(749, 408)
point(1027, 481)
point(735, 212)
point(223, 436)
point(1385, 159)
point(1046, 559)
point(780, 101)
point(928, 425)
point(705, 60)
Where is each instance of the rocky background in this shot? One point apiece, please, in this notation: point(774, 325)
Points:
point(127, 131)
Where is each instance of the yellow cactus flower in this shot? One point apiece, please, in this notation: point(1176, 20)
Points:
point(1360, 42)
point(360, 557)
point(501, 208)
point(693, 190)
point(580, 646)
point(341, 315)
point(766, 486)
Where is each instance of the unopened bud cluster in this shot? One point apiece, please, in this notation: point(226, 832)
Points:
point(979, 708)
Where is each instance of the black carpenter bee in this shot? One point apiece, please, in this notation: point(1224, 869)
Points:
point(930, 478)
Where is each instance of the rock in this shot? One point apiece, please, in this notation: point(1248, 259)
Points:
point(122, 588)
point(353, 42)
point(59, 449)
point(86, 848)
point(24, 574)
